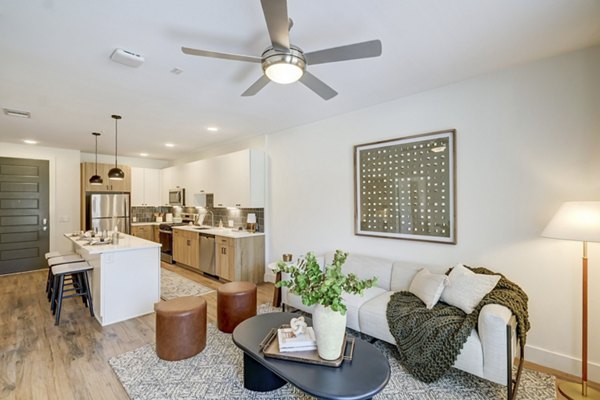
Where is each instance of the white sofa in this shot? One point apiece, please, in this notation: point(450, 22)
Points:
point(486, 350)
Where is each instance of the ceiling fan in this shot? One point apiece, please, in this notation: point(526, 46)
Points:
point(285, 63)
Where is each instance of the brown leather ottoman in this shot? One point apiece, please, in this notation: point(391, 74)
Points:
point(180, 327)
point(236, 302)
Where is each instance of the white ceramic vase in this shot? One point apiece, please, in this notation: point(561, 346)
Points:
point(329, 327)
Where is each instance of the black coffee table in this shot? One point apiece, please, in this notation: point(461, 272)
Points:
point(361, 378)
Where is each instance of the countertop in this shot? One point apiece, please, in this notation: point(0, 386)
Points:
point(145, 223)
point(226, 232)
point(126, 243)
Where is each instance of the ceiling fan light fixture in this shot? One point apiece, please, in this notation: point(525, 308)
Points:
point(283, 68)
point(284, 73)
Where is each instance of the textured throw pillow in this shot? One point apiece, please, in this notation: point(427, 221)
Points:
point(428, 287)
point(465, 288)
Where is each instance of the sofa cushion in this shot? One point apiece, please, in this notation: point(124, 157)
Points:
point(372, 318)
point(366, 267)
point(354, 303)
point(403, 272)
point(466, 289)
point(428, 287)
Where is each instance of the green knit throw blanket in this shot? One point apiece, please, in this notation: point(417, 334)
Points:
point(429, 341)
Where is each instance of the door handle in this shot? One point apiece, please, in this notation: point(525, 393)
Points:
point(189, 242)
point(45, 221)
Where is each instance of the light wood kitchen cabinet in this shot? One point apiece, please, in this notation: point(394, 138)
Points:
point(186, 248)
point(240, 259)
point(108, 185)
point(143, 232)
point(145, 187)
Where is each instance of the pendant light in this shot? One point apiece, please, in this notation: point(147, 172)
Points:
point(116, 173)
point(96, 179)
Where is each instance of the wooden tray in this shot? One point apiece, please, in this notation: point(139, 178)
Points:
point(270, 348)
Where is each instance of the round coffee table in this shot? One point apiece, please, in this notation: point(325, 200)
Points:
point(361, 378)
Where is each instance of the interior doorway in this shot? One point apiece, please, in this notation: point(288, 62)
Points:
point(24, 214)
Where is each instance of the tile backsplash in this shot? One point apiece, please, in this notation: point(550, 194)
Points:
point(237, 215)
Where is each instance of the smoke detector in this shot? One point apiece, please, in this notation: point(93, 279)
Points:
point(127, 57)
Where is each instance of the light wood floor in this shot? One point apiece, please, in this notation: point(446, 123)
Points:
point(41, 361)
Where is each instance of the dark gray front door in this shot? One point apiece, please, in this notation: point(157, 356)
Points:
point(24, 227)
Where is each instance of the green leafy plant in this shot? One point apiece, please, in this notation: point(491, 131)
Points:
point(313, 285)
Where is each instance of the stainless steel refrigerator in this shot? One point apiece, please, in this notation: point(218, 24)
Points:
point(107, 210)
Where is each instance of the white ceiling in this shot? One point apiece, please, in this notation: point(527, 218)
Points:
point(55, 62)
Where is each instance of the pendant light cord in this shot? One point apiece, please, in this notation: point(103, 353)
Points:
point(96, 173)
point(116, 120)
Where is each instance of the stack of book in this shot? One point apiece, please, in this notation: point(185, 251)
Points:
point(288, 341)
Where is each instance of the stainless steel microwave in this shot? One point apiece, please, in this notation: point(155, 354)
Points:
point(177, 197)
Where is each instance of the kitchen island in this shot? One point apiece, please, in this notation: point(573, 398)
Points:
point(125, 279)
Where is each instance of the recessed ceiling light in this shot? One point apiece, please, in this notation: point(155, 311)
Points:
point(29, 141)
point(144, 154)
point(169, 145)
point(17, 113)
point(212, 129)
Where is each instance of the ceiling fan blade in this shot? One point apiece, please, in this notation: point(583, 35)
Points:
point(214, 54)
point(317, 86)
point(278, 23)
point(256, 86)
point(372, 48)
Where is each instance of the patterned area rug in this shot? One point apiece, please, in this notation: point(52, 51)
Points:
point(174, 285)
point(217, 373)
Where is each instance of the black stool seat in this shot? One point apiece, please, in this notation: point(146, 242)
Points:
point(70, 278)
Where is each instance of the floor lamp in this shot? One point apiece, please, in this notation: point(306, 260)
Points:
point(578, 220)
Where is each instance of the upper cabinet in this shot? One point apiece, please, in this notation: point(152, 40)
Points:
point(88, 169)
point(236, 179)
point(145, 186)
point(239, 179)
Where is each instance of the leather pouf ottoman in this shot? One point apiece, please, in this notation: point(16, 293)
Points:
point(236, 302)
point(180, 327)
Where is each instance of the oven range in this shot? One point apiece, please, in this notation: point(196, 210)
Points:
point(165, 232)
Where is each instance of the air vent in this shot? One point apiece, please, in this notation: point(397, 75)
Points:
point(17, 113)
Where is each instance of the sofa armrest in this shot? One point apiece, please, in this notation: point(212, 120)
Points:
point(492, 323)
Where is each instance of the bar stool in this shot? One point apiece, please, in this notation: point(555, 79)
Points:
point(70, 278)
point(65, 258)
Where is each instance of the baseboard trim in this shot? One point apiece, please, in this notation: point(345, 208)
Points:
point(560, 362)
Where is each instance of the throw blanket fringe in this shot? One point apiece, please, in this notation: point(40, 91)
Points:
point(429, 341)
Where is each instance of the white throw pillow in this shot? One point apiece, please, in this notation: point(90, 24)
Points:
point(428, 287)
point(466, 289)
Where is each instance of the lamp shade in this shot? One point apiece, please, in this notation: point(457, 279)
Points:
point(575, 220)
point(251, 219)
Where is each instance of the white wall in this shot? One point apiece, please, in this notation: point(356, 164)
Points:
point(527, 139)
point(256, 142)
point(64, 187)
point(131, 161)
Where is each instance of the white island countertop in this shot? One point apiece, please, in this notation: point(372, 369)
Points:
point(125, 277)
point(226, 232)
point(126, 243)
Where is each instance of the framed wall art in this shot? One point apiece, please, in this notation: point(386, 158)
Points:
point(405, 188)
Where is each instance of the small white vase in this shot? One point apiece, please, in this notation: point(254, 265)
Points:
point(329, 327)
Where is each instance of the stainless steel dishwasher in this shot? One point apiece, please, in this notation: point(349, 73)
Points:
point(207, 253)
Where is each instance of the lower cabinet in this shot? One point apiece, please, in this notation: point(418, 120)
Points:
point(240, 259)
point(186, 248)
point(143, 232)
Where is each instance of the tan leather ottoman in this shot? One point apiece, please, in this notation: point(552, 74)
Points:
point(180, 327)
point(236, 302)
